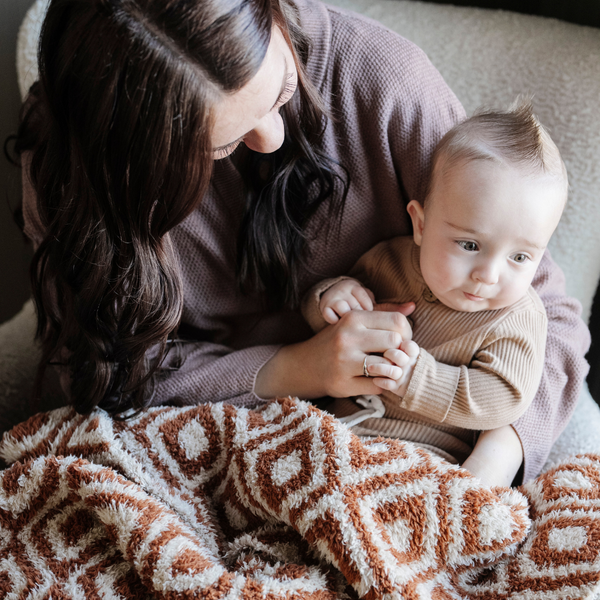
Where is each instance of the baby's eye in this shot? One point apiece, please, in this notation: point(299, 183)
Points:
point(520, 258)
point(468, 246)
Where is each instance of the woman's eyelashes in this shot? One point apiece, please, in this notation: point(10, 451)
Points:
point(226, 150)
point(291, 83)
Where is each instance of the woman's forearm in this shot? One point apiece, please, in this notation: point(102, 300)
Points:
point(288, 373)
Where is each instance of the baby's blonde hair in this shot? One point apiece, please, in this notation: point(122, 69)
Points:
point(514, 137)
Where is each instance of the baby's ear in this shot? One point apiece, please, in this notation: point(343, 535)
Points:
point(417, 214)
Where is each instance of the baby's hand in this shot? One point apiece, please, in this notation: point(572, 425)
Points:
point(396, 378)
point(343, 297)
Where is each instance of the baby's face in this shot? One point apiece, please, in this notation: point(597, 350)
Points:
point(484, 232)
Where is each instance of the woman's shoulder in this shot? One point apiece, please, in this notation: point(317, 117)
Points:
point(359, 42)
point(361, 62)
point(368, 46)
point(352, 29)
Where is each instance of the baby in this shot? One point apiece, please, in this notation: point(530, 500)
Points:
point(497, 191)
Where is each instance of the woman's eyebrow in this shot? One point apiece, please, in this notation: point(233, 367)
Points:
point(281, 90)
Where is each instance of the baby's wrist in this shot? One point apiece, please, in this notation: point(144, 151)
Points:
point(403, 385)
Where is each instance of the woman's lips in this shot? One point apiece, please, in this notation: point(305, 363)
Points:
point(473, 298)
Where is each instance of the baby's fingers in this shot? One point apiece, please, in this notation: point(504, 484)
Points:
point(384, 370)
point(330, 316)
point(410, 348)
point(398, 357)
point(391, 385)
point(336, 309)
point(364, 297)
point(341, 307)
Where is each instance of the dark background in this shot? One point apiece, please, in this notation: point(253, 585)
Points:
point(15, 254)
point(583, 12)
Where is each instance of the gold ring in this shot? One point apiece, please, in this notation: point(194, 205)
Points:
point(365, 371)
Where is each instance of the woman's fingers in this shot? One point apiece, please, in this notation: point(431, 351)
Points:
point(406, 308)
point(331, 362)
point(374, 331)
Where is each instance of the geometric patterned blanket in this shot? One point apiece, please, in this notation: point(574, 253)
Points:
point(283, 502)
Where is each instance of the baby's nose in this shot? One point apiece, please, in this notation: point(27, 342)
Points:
point(487, 273)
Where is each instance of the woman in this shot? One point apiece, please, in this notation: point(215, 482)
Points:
point(206, 163)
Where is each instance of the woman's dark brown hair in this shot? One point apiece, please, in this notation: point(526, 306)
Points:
point(121, 119)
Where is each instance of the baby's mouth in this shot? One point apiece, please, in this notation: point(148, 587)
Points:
point(473, 297)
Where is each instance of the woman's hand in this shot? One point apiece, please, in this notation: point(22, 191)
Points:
point(331, 362)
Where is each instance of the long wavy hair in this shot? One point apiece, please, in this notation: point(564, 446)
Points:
point(119, 127)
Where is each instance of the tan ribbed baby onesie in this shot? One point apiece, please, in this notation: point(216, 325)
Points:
point(475, 370)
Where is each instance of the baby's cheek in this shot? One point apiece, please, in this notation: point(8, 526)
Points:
point(450, 271)
point(515, 288)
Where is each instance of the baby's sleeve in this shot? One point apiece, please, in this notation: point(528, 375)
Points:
point(495, 388)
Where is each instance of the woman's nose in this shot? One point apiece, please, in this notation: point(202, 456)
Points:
point(268, 135)
point(487, 272)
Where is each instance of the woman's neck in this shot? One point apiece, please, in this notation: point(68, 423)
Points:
point(239, 157)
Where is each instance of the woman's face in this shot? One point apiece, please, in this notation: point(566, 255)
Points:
point(251, 115)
